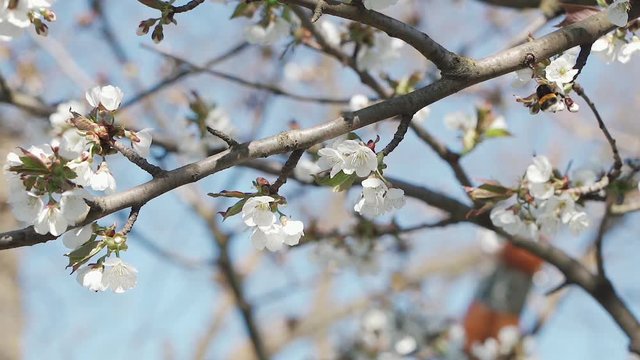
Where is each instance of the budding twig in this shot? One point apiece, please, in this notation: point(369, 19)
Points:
point(405, 120)
point(224, 137)
point(287, 168)
point(141, 162)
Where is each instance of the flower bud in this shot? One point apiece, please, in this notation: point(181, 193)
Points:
point(157, 34)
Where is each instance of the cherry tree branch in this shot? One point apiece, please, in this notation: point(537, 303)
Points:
point(584, 31)
point(430, 49)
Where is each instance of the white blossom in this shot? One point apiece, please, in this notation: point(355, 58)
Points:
point(394, 199)
point(84, 173)
point(372, 202)
point(330, 158)
point(358, 158)
point(73, 238)
point(522, 77)
point(421, 115)
point(91, 278)
point(330, 32)
point(292, 231)
point(269, 237)
point(50, 219)
point(13, 20)
point(73, 205)
point(25, 206)
point(358, 101)
point(378, 4)
point(259, 35)
point(385, 50)
point(488, 350)
point(108, 96)
point(610, 47)
point(119, 276)
point(561, 71)
point(305, 169)
point(60, 119)
point(618, 12)
point(406, 345)
point(102, 180)
point(540, 171)
point(256, 211)
point(142, 146)
point(579, 222)
point(460, 121)
point(504, 217)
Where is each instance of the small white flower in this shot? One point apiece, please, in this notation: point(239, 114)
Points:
point(119, 276)
point(372, 202)
point(561, 71)
point(50, 220)
point(502, 216)
point(508, 337)
point(579, 222)
point(330, 158)
point(394, 199)
point(59, 119)
point(358, 101)
point(384, 51)
point(259, 35)
point(91, 278)
point(358, 158)
point(109, 96)
point(270, 237)
point(142, 146)
point(610, 47)
point(102, 180)
point(25, 206)
point(406, 345)
point(421, 115)
point(331, 32)
point(629, 49)
point(83, 170)
point(541, 191)
point(618, 12)
point(378, 4)
point(305, 169)
point(488, 350)
point(522, 77)
point(256, 211)
point(460, 121)
point(73, 143)
point(540, 171)
point(72, 239)
point(74, 206)
point(292, 231)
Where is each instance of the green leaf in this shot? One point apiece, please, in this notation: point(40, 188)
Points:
point(233, 210)
point(84, 253)
point(496, 133)
point(339, 182)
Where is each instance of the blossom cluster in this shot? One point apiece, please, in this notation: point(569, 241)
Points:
point(17, 15)
point(258, 214)
point(349, 159)
point(542, 205)
point(106, 273)
point(49, 184)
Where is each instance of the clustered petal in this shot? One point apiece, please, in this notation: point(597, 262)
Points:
point(348, 156)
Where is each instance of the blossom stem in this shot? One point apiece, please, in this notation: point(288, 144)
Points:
point(286, 170)
point(142, 163)
point(224, 137)
point(405, 120)
point(133, 216)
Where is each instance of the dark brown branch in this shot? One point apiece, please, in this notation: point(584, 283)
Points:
point(224, 137)
point(186, 7)
point(405, 120)
point(138, 160)
point(286, 170)
point(599, 240)
point(133, 216)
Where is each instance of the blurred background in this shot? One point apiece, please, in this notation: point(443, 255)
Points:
point(399, 296)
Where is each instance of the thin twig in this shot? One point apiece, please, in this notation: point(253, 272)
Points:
point(599, 240)
point(252, 84)
point(224, 137)
point(186, 7)
point(405, 120)
point(141, 162)
point(133, 216)
point(287, 169)
point(617, 161)
point(317, 12)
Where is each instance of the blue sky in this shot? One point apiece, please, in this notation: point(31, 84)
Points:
point(172, 306)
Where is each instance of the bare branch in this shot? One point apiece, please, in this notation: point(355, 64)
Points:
point(224, 137)
point(138, 160)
